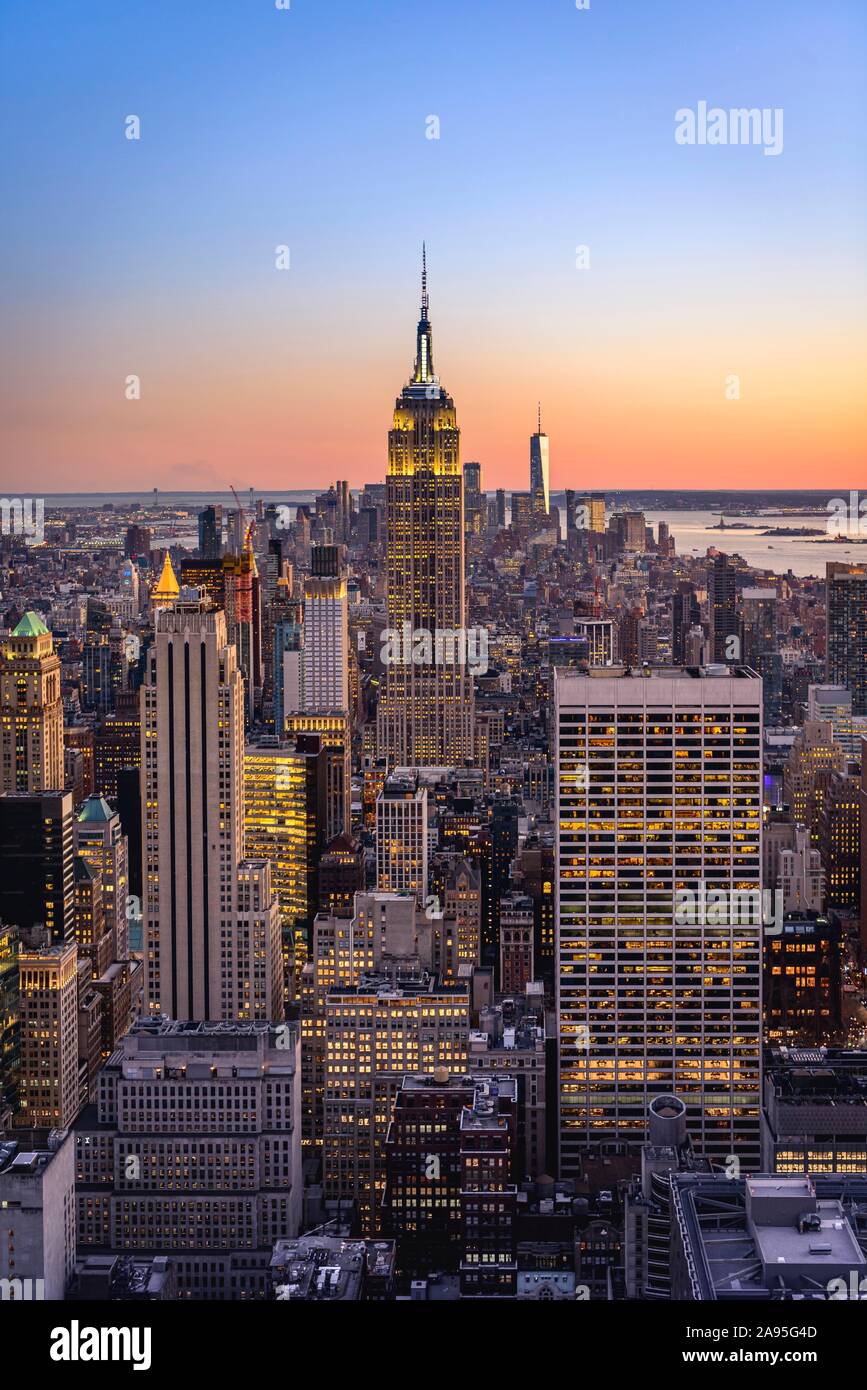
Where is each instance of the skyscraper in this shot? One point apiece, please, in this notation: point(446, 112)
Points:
point(539, 475)
point(401, 837)
point(685, 613)
point(37, 885)
point(846, 622)
point(195, 1152)
point(722, 611)
point(759, 648)
point(31, 710)
point(659, 786)
point(99, 839)
point(592, 512)
point(325, 664)
point(211, 924)
point(49, 1034)
point(389, 1023)
point(426, 713)
point(285, 811)
point(473, 497)
point(211, 533)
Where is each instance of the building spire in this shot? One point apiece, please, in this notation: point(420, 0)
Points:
point(424, 372)
point(539, 418)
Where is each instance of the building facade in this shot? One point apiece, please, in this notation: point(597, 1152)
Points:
point(659, 785)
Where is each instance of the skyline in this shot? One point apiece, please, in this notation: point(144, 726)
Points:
point(157, 257)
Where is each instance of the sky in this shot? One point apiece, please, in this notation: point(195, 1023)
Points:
point(711, 333)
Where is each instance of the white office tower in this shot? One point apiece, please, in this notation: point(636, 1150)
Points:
point(325, 661)
point(659, 790)
point(402, 837)
point(316, 680)
point(212, 938)
point(801, 877)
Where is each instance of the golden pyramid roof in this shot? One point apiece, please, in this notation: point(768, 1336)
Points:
point(167, 585)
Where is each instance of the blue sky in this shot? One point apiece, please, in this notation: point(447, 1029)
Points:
point(307, 127)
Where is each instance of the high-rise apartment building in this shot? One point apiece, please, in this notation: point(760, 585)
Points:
point(846, 629)
point(450, 1195)
point(402, 837)
point(814, 753)
point(839, 838)
point(31, 710)
point(591, 515)
point(117, 743)
point(685, 614)
point(342, 949)
point(426, 711)
point(376, 1031)
point(201, 900)
point(48, 983)
point(99, 839)
point(211, 533)
point(659, 786)
point(473, 498)
point(312, 677)
point(801, 877)
point(759, 648)
point(325, 661)
point(722, 611)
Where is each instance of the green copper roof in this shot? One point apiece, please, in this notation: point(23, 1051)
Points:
point(31, 625)
point(95, 808)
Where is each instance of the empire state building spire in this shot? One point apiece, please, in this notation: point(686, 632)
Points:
point(424, 372)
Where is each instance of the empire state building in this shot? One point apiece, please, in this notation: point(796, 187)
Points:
point(426, 714)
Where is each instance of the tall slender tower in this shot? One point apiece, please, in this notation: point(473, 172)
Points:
point(31, 710)
point(846, 632)
point(539, 469)
point(426, 714)
point(722, 611)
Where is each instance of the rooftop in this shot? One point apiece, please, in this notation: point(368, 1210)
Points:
point(95, 810)
point(31, 625)
point(769, 1237)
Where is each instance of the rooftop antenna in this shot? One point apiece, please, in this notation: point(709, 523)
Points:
point(424, 300)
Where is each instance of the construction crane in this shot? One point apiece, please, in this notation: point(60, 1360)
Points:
point(243, 514)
